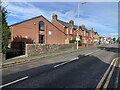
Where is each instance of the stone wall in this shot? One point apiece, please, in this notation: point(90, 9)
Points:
point(38, 49)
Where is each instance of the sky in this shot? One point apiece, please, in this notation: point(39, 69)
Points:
point(102, 16)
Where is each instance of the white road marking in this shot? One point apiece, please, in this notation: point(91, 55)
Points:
point(65, 62)
point(73, 59)
point(92, 52)
point(16, 69)
point(104, 76)
point(14, 82)
point(88, 54)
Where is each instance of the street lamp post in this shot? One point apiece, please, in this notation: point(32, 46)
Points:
point(78, 27)
point(77, 37)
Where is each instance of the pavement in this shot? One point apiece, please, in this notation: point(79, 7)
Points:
point(24, 59)
point(79, 69)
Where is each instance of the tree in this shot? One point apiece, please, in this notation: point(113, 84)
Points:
point(5, 29)
point(114, 39)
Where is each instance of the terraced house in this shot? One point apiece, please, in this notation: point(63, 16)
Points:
point(96, 38)
point(71, 30)
point(39, 30)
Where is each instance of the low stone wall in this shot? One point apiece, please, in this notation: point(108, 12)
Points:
point(38, 49)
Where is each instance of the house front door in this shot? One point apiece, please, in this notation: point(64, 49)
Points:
point(41, 39)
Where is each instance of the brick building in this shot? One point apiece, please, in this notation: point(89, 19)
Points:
point(86, 36)
point(39, 30)
point(96, 38)
point(36, 30)
point(67, 27)
point(91, 37)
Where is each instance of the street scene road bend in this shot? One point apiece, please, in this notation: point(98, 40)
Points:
point(60, 45)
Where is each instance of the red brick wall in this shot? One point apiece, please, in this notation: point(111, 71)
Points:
point(30, 30)
point(25, 29)
point(57, 37)
point(58, 25)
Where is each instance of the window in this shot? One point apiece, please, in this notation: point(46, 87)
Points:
point(41, 26)
point(71, 31)
point(84, 33)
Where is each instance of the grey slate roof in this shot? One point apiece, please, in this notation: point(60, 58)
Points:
point(66, 24)
point(63, 23)
point(96, 33)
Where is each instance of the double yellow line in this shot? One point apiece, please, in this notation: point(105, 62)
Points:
point(108, 71)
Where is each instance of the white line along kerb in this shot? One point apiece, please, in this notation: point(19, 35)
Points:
point(14, 82)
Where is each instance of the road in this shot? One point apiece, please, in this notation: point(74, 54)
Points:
point(84, 71)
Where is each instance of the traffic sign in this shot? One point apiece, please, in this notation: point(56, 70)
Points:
point(77, 38)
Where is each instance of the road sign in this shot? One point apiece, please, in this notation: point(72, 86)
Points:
point(77, 38)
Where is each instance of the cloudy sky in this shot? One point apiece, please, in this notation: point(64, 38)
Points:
point(102, 16)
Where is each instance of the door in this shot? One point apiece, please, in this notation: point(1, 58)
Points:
point(41, 39)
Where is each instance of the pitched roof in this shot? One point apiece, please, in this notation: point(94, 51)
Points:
point(35, 18)
point(66, 24)
point(85, 29)
point(63, 23)
point(26, 20)
point(96, 33)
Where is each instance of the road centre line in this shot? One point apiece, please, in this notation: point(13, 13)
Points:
point(110, 75)
point(92, 52)
point(104, 76)
point(65, 62)
point(14, 82)
point(73, 59)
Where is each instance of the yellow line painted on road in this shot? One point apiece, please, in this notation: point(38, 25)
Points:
point(110, 75)
point(101, 81)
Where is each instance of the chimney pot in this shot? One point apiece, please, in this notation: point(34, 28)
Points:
point(83, 26)
point(54, 16)
point(71, 22)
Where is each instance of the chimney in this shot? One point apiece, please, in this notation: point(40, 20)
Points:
point(92, 29)
point(54, 16)
point(83, 26)
point(71, 22)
